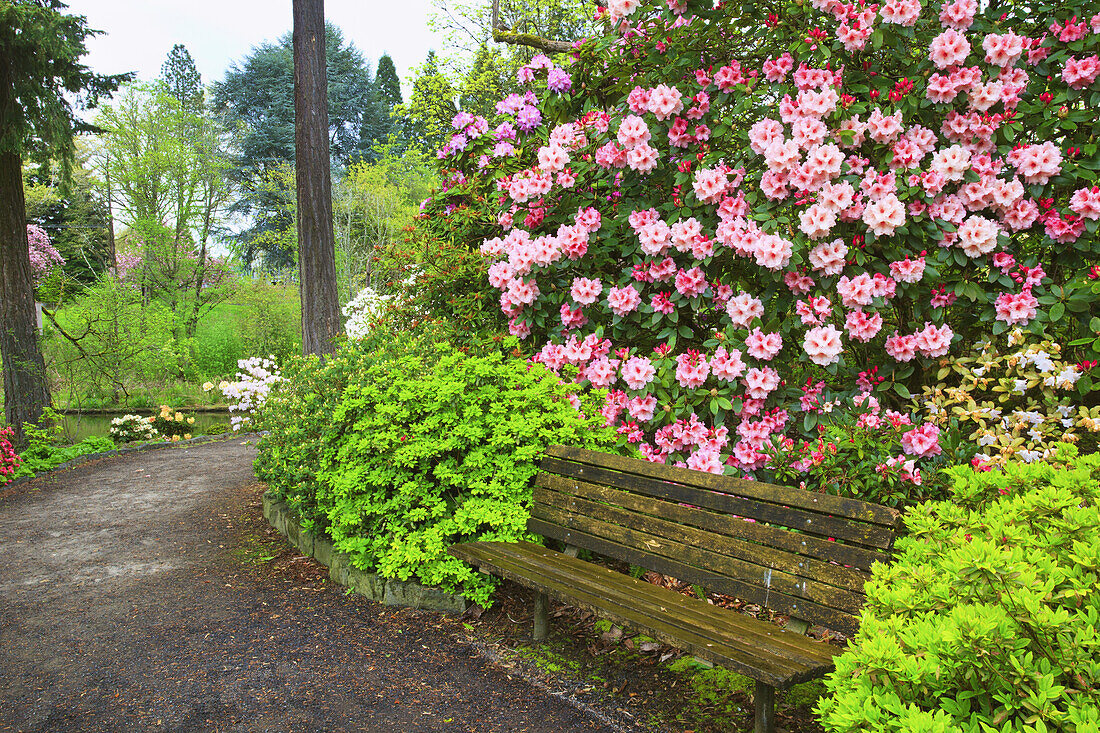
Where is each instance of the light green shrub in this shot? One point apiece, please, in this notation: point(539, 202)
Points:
point(988, 619)
point(398, 454)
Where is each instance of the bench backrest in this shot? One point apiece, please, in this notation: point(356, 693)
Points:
point(797, 552)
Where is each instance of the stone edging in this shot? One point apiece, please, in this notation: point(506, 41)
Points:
point(388, 591)
point(124, 450)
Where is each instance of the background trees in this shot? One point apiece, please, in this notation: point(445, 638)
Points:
point(256, 98)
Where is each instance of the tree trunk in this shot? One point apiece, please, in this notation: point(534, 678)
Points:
point(26, 391)
point(316, 245)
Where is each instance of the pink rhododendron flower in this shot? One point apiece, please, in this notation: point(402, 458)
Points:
point(637, 372)
point(760, 345)
point(692, 369)
point(710, 184)
point(759, 383)
point(958, 14)
point(862, 326)
point(601, 372)
point(1017, 309)
point(922, 442)
point(885, 215)
point(978, 236)
point(1081, 73)
point(823, 345)
point(934, 341)
point(690, 283)
point(1086, 202)
point(828, 258)
point(773, 252)
point(743, 308)
point(901, 348)
point(727, 365)
point(948, 49)
point(623, 300)
point(907, 270)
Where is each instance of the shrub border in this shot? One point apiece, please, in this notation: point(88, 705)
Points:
point(387, 591)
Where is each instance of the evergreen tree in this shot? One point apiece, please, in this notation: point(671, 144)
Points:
point(431, 106)
point(40, 79)
point(490, 78)
point(182, 78)
point(387, 83)
point(257, 99)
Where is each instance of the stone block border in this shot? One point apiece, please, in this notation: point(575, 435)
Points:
point(388, 591)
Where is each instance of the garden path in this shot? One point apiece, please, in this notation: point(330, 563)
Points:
point(139, 593)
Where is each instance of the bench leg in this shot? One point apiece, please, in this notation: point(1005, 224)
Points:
point(765, 708)
point(542, 617)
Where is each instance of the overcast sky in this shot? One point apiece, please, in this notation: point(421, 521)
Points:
point(138, 34)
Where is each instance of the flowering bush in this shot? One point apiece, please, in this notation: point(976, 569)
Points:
point(864, 451)
point(1016, 403)
point(363, 312)
point(128, 428)
point(171, 424)
point(712, 203)
point(987, 618)
point(9, 459)
point(44, 256)
point(249, 392)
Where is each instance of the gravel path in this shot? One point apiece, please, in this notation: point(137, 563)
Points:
point(132, 599)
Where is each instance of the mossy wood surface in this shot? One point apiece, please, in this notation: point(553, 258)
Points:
point(746, 645)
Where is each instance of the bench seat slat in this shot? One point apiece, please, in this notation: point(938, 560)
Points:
point(709, 620)
point(759, 649)
point(811, 522)
point(567, 494)
point(705, 560)
point(823, 503)
point(796, 607)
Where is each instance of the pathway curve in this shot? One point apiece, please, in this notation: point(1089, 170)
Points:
point(126, 604)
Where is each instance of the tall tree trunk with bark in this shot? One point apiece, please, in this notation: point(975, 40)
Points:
point(316, 245)
point(26, 391)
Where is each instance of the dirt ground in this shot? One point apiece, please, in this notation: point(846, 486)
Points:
point(136, 596)
point(146, 592)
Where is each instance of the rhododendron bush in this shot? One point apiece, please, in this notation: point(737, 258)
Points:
point(712, 212)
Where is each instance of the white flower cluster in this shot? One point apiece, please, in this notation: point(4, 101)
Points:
point(129, 428)
point(254, 381)
point(363, 312)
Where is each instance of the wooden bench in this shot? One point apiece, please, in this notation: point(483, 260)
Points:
point(803, 554)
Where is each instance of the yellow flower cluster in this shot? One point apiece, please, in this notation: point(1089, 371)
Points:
point(1019, 400)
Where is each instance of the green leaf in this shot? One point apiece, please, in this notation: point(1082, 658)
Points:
point(1057, 311)
point(902, 391)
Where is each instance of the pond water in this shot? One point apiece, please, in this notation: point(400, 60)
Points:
point(79, 427)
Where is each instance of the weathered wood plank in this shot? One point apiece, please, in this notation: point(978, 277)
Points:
point(711, 621)
point(752, 659)
point(798, 607)
point(822, 525)
point(799, 543)
point(709, 559)
point(785, 495)
point(569, 495)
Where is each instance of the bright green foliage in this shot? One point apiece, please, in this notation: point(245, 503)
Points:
point(418, 448)
point(44, 451)
point(431, 106)
point(988, 619)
